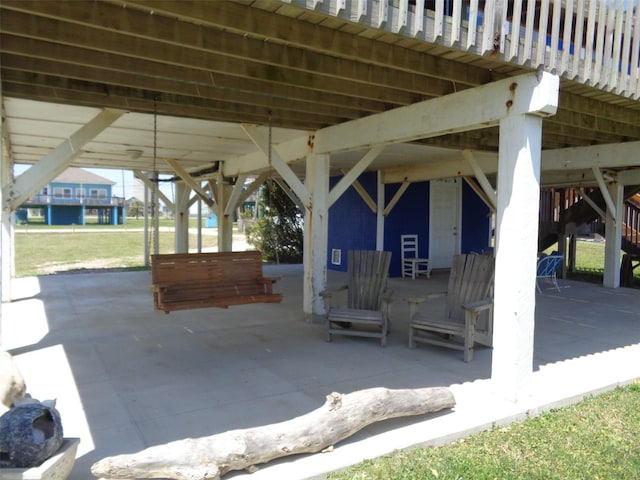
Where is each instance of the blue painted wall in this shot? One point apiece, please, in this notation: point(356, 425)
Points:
point(476, 222)
point(67, 215)
point(410, 215)
point(352, 224)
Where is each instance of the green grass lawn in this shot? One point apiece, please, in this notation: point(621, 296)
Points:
point(598, 438)
point(77, 248)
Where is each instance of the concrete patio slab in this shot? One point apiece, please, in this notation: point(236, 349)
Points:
point(126, 377)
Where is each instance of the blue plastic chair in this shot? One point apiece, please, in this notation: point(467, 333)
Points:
point(548, 267)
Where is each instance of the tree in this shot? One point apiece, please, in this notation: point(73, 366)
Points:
point(278, 231)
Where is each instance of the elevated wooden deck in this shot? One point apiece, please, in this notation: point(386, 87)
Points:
point(595, 42)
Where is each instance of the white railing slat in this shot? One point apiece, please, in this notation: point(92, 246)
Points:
point(608, 66)
point(418, 19)
point(456, 23)
point(401, 20)
point(591, 30)
point(555, 35)
point(439, 21)
point(383, 13)
point(615, 75)
point(608, 43)
point(337, 6)
point(623, 84)
point(515, 31)
point(566, 38)
point(361, 9)
point(577, 40)
point(473, 24)
point(599, 52)
point(634, 77)
point(487, 25)
point(541, 46)
point(527, 53)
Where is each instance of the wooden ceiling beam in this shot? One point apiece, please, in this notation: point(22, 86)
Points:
point(17, 67)
point(241, 18)
point(240, 53)
point(145, 104)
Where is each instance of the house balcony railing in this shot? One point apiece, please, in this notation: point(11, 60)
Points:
point(89, 201)
point(595, 42)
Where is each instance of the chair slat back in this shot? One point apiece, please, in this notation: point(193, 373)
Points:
point(549, 265)
point(409, 246)
point(469, 281)
point(368, 272)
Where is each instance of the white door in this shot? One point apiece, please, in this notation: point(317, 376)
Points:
point(445, 197)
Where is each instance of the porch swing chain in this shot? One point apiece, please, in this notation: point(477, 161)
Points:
point(271, 187)
point(154, 196)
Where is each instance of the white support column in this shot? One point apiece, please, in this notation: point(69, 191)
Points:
point(316, 233)
point(6, 221)
point(225, 222)
point(199, 235)
point(516, 248)
point(613, 237)
point(181, 218)
point(7, 252)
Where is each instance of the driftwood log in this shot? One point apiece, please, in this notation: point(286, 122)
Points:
point(210, 457)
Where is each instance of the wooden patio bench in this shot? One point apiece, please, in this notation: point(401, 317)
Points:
point(182, 281)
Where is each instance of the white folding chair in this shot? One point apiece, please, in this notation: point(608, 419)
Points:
point(412, 265)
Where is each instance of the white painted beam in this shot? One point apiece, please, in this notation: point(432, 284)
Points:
point(253, 186)
point(479, 192)
point(236, 192)
point(396, 198)
point(611, 206)
point(294, 198)
point(56, 161)
point(190, 181)
point(365, 196)
point(592, 204)
point(440, 169)
point(629, 177)
point(290, 150)
point(346, 181)
point(482, 179)
point(535, 93)
point(557, 165)
point(278, 162)
point(153, 186)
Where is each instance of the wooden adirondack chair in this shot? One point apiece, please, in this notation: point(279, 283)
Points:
point(460, 327)
point(367, 311)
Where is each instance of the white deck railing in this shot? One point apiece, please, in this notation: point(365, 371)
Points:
point(596, 42)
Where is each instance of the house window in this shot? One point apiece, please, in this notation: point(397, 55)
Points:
point(62, 192)
point(98, 193)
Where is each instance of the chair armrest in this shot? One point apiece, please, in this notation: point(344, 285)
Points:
point(472, 312)
point(479, 306)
